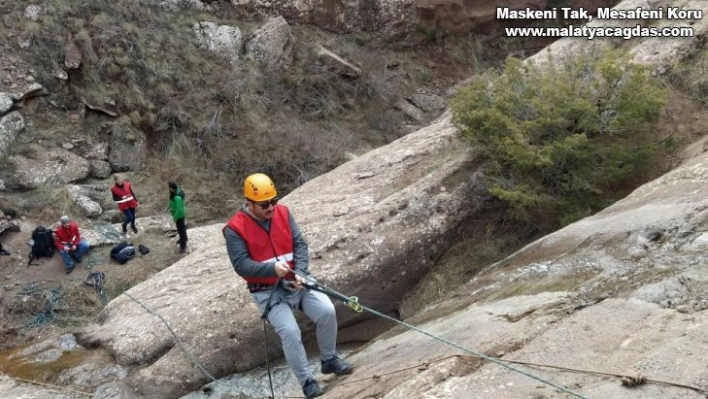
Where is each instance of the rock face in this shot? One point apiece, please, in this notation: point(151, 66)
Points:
point(127, 148)
point(272, 44)
point(53, 353)
point(45, 167)
point(622, 290)
point(5, 103)
point(659, 52)
point(460, 16)
point(223, 40)
point(10, 126)
point(90, 198)
point(388, 215)
point(397, 18)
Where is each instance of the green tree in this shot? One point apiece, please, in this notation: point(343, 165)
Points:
point(560, 139)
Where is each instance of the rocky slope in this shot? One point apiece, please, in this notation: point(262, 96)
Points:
point(617, 294)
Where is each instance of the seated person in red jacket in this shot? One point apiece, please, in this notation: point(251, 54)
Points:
point(69, 243)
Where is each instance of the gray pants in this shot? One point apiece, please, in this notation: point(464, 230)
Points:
point(318, 307)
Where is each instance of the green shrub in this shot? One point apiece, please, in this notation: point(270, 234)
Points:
point(561, 140)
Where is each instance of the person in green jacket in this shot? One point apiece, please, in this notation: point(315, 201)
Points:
point(178, 213)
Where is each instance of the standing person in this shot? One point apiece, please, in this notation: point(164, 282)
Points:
point(265, 245)
point(178, 213)
point(125, 199)
point(69, 243)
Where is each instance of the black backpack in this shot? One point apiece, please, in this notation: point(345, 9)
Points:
point(123, 252)
point(42, 244)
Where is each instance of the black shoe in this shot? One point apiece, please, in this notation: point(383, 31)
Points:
point(135, 229)
point(125, 229)
point(69, 270)
point(311, 389)
point(336, 366)
point(4, 252)
point(183, 250)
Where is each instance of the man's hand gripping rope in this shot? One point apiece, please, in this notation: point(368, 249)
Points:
point(309, 282)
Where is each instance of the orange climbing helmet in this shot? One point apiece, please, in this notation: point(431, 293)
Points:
point(259, 187)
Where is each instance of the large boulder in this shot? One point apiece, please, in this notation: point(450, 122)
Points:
point(224, 40)
point(388, 215)
point(8, 225)
point(127, 148)
point(89, 197)
point(10, 126)
point(42, 166)
point(272, 45)
point(6, 103)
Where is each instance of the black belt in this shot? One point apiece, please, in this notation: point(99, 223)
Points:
point(256, 287)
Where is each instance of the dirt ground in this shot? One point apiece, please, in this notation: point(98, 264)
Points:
point(26, 299)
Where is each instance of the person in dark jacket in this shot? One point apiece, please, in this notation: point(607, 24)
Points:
point(125, 199)
point(178, 214)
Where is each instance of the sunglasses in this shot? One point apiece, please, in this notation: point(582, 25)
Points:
point(266, 204)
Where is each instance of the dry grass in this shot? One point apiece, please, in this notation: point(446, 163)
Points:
point(692, 76)
point(208, 123)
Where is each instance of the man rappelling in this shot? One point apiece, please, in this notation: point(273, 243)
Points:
point(267, 249)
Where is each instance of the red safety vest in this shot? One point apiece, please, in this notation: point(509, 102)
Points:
point(127, 202)
point(263, 246)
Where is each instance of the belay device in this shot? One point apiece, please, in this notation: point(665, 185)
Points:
point(350, 301)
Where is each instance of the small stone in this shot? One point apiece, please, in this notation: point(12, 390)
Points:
point(340, 212)
point(61, 75)
point(363, 175)
point(32, 12)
